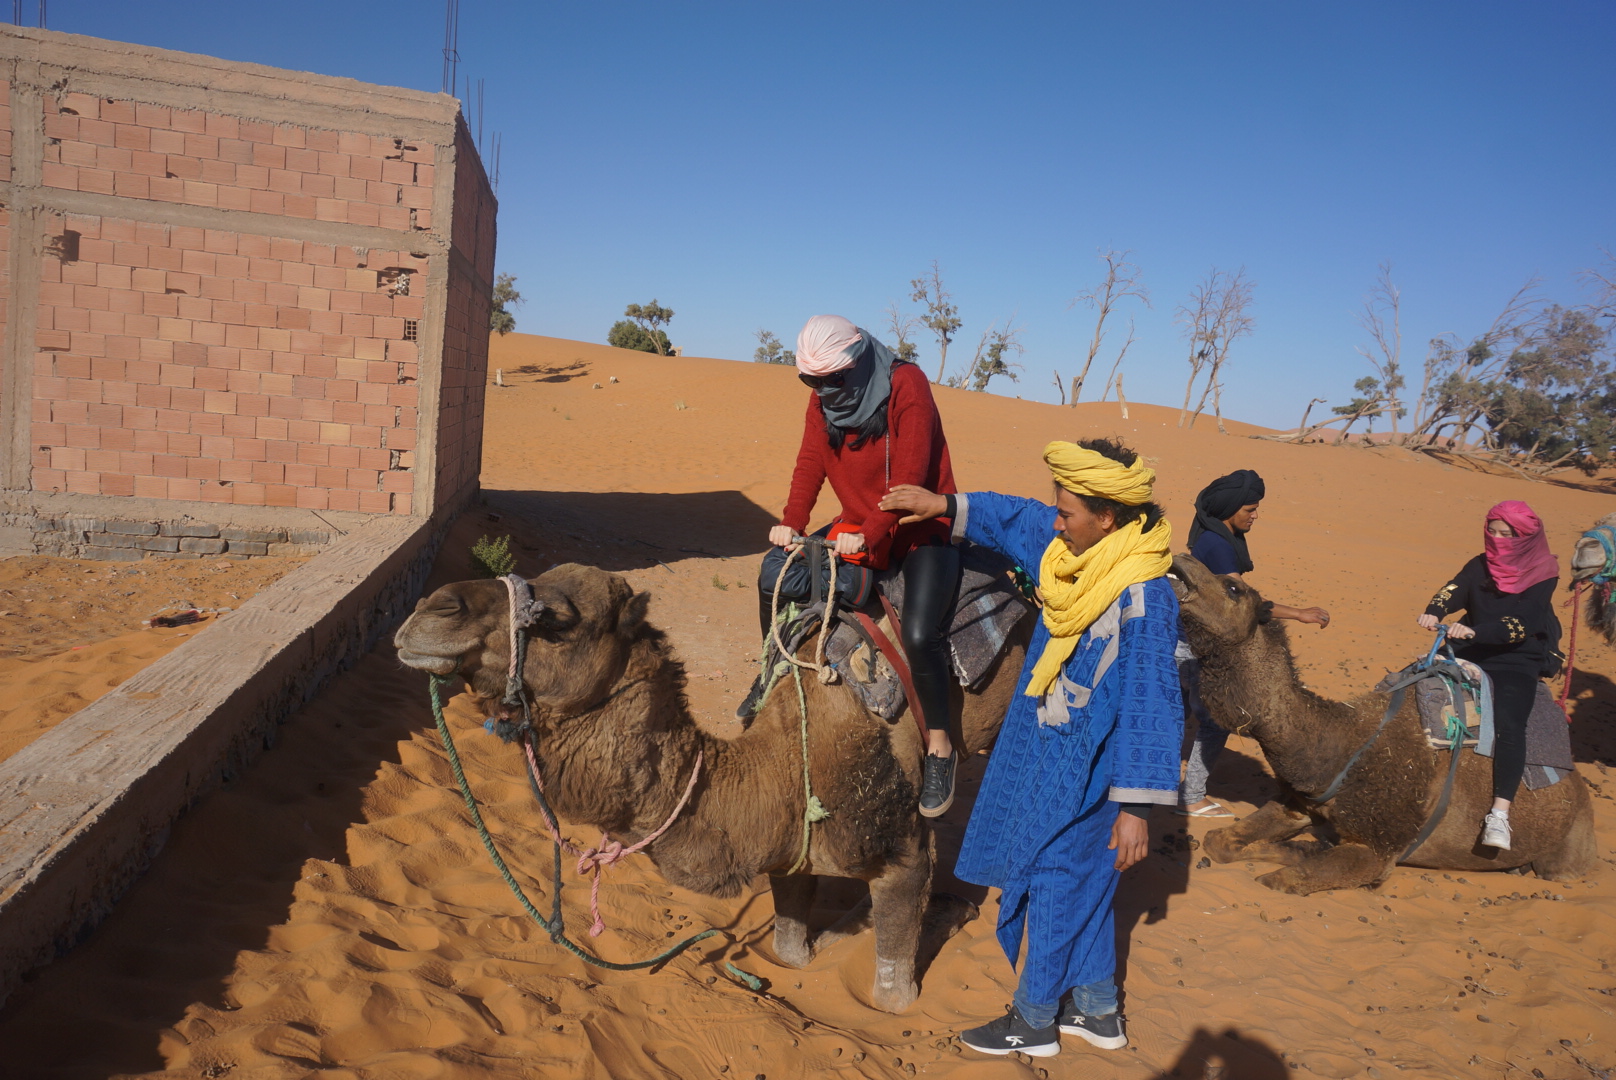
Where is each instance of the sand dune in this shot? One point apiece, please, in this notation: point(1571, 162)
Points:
point(331, 913)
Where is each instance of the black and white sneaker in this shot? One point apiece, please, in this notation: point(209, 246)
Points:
point(1102, 1031)
point(937, 784)
point(1010, 1034)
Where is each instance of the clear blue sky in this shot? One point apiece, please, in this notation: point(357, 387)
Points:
point(751, 164)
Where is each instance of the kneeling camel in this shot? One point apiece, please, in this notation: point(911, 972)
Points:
point(1250, 685)
point(616, 744)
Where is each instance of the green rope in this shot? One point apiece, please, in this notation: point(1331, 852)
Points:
point(813, 809)
point(553, 925)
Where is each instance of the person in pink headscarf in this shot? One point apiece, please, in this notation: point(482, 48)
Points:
point(1510, 631)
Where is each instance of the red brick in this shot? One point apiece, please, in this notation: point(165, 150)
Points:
point(84, 483)
point(49, 480)
point(375, 502)
point(185, 489)
point(311, 498)
point(344, 500)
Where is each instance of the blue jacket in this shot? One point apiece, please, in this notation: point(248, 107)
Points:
point(1108, 731)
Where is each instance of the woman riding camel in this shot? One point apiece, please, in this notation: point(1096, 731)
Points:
point(871, 425)
point(1510, 631)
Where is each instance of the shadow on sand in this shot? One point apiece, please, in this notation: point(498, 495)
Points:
point(1228, 1055)
point(620, 530)
point(1592, 708)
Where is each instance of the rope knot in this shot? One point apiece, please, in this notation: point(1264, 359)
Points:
point(816, 811)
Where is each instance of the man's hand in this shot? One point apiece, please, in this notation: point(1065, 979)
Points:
point(782, 535)
point(1315, 615)
point(1130, 839)
point(918, 503)
point(1428, 622)
point(849, 543)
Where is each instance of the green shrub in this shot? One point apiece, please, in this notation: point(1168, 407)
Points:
point(492, 558)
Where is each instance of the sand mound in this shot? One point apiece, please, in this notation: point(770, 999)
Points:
point(331, 912)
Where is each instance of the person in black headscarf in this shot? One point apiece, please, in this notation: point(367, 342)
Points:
point(1225, 511)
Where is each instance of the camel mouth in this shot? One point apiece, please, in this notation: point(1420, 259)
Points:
point(437, 665)
point(1181, 588)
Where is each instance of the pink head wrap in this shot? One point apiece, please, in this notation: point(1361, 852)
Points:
point(825, 345)
point(1518, 562)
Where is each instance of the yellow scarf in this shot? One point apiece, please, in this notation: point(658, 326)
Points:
point(1077, 589)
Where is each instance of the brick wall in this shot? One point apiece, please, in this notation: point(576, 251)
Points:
point(198, 364)
point(241, 288)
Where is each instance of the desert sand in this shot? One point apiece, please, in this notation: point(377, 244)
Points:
point(70, 629)
point(331, 913)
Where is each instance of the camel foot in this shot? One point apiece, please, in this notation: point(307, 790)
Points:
point(894, 992)
point(1283, 852)
point(1272, 823)
point(1345, 867)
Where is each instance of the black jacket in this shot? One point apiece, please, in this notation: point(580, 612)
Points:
point(1515, 632)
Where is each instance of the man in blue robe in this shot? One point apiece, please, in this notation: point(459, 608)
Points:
point(1094, 729)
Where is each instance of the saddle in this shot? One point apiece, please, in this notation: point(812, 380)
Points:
point(864, 647)
point(1447, 699)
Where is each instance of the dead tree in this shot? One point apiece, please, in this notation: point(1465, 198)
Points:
point(1381, 318)
point(941, 316)
point(1217, 316)
point(901, 326)
point(1120, 282)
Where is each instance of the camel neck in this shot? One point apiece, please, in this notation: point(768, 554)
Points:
point(1255, 690)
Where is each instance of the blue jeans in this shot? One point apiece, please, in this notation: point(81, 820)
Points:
point(1095, 999)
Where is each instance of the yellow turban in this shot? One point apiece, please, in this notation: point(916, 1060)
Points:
point(1077, 589)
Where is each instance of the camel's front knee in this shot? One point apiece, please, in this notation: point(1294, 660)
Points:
point(1346, 867)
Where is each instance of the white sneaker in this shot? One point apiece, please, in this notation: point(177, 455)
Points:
point(1495, 830)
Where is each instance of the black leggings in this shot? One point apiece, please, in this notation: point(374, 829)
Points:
point(1513, 694)
point(930, 579)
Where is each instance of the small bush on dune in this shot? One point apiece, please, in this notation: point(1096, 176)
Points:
point(492, 558)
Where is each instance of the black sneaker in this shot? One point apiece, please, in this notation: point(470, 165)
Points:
point(1010, 1034)
point(937, 784)
point(1103, 1031)
point(754, 701)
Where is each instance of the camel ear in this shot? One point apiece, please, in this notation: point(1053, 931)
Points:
point(1265, 613)
point(633, 615)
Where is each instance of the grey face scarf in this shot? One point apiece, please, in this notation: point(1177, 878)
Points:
point(865, 386)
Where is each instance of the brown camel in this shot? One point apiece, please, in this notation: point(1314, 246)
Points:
point(1250, 685)
point(1587, 560)
point(616, 744)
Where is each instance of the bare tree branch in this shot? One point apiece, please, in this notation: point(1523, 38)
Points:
point(1122, 280)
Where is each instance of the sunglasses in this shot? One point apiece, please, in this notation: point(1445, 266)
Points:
point(834, 380)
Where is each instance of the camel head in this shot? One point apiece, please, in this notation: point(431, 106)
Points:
point(1218, 610)
point(1588, 558)
point(587, 622)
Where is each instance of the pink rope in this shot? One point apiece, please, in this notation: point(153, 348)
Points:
point(590, 860)
point(593, 860)
point(1571, 649)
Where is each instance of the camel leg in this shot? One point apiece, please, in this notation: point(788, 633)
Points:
point(1343, 867)
point(793, 901)
point(898, 900)
point(1261, 830)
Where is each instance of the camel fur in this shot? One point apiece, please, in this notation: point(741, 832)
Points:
point(1250, 685)
point(616, 744)
point(1587, 560)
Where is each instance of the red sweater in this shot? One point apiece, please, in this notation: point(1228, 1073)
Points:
point(859, 477)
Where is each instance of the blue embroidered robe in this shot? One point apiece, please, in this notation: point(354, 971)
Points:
point(1108, 732)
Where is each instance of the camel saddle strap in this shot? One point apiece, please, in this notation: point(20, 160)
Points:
point(1392, 708)
point(1455, 750)
point(895, 657)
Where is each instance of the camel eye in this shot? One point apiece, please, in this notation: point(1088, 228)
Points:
point(1234, 590)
